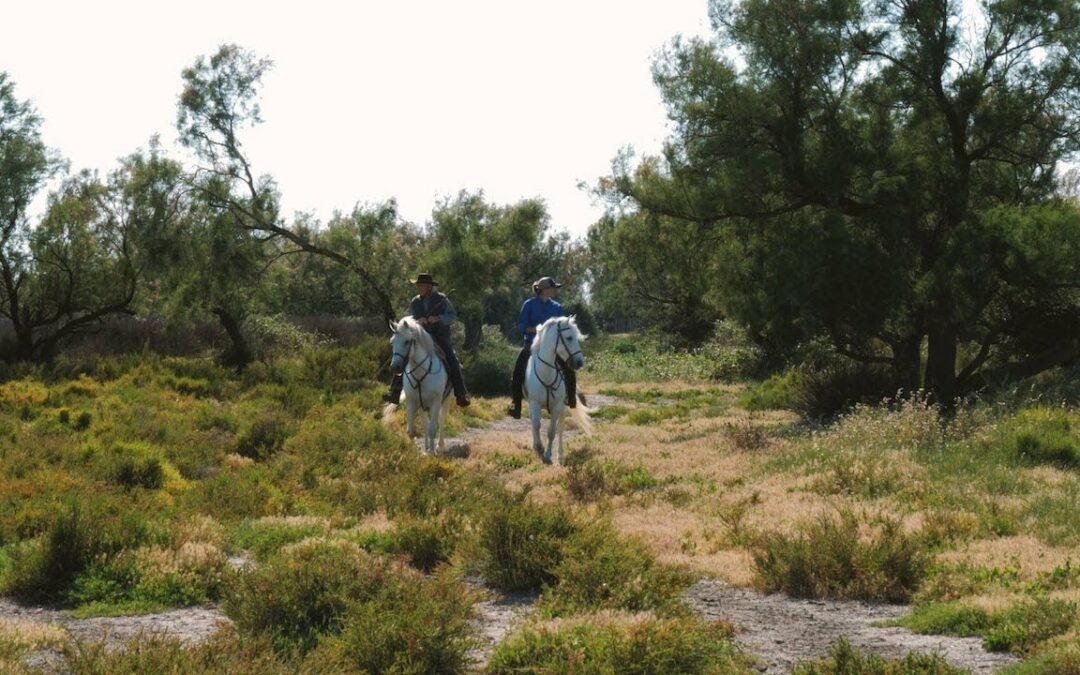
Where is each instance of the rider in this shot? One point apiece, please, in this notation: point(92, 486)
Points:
point(433, 311)
point(535, 311)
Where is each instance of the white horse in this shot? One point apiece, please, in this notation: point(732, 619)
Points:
point(426, 386)
point(545, 387)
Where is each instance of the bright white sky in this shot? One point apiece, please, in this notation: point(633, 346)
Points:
point(370, 99)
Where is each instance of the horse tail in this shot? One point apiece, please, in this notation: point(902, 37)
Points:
point(582, 419)
point(388, 411)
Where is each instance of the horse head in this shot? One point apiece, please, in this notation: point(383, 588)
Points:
point(401, 342)
point(568, 347)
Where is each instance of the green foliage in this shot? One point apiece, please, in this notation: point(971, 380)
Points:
point(631, 645)
point(352, 607)
point(831, 558)
point(1045, 435)
point(426, 541)
point(488, 368)
point(652, 358)
point(83, 531)
point(1018, 628)
point(601, 570)
point(847, 660)
point(223, 654)
point(521, 545)
point(825, 393)
point(778, 392)
point(135, 465)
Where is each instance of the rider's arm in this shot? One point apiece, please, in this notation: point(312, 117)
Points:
point(523, 317)
point(446, 312)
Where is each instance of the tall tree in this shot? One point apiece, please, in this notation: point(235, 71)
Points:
point(220, 100)
point(63, 275)
point(857, 157)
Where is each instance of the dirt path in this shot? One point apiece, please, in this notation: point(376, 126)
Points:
point(495, 617)
point(782, 631)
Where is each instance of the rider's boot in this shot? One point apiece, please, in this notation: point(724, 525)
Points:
point(394, 395)
point(570, 375)
point(461, 395)
point(517, 383)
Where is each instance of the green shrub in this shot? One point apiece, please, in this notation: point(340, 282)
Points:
point(265, 536)
point(262, 436)
point(778, 392)
point(1022, 626)
point(487, 370)
point(631, 645)
point(84, 531)
point(427, 541)
point(947, 619)
point(303, 593)
point(1045, 435)
point(355, 608)
point(135, 465)
point(1062, 659)
point(602, 570)
point(828, 558)
point(521, 545)
point(847, 660)
point(418, 627)
point(832, 390)
point(223, 654)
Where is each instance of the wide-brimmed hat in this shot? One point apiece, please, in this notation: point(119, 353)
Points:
point(544, 283)
point(424, 278)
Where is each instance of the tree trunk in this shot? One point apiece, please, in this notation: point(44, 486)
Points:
point(908, 362)
point(239, 353)
point(474, 334)
point(941, 364)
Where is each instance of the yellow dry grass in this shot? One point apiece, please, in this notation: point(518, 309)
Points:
point(1025, 552)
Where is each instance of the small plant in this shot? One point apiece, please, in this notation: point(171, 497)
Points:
point(262, 437)
point(830, 558)
point(746, 436)
point(621, 644)
point(135, 465)
point(847, 660)
point(426, 541)
point(521, 545)
point(602, 570)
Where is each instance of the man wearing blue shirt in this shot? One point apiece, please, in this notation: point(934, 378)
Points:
point(535, 311)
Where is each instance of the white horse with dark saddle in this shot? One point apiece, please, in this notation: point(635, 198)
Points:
point(426, 383)
point(557, 339)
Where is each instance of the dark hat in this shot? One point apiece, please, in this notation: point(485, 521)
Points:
point(424, 278)
point(545, 282)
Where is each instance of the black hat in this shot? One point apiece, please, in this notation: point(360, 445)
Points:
point(424, 278)
point(545, 282)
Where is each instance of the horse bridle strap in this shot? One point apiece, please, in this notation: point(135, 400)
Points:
point(558, 379)
point(428, 362)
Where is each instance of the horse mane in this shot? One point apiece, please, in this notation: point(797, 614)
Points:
point(422, 336)
point(543, 331)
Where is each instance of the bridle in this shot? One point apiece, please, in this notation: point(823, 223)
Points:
point(428, 362)
point(550, 387)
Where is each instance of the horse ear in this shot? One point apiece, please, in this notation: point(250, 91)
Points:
point(393, 326)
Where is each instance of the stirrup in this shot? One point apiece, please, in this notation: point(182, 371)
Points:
point(514, 411)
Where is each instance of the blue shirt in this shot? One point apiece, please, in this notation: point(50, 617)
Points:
point(534, 312)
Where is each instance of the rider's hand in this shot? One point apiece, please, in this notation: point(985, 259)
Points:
point(530, 331)
point(433, 319)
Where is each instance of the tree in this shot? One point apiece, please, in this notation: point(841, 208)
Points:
point(855, 160)
point(489, 255)
point(79, 264)
point(220, 100)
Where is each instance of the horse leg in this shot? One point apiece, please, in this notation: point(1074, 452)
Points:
point(442, 428)
point(534, 416)
point(432, 426)
point(410, 416)
point(559, 452)
point(553, 427)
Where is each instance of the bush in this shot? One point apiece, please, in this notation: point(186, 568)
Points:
point(829, 558)
point(262, 436)
point(602, 570)
point(411, 628)
point(521, 545)
point(1022, 626)
point(847, 660)
point(825, 393)
point(605, 644)
point(134, 465)
point(223, 654)
point(266, 536)
point(778, 392)
point(487, 370)
point(427, 541)
point(303, 593)
point(354, 608)
point(1045, 435)
point(84, 531)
